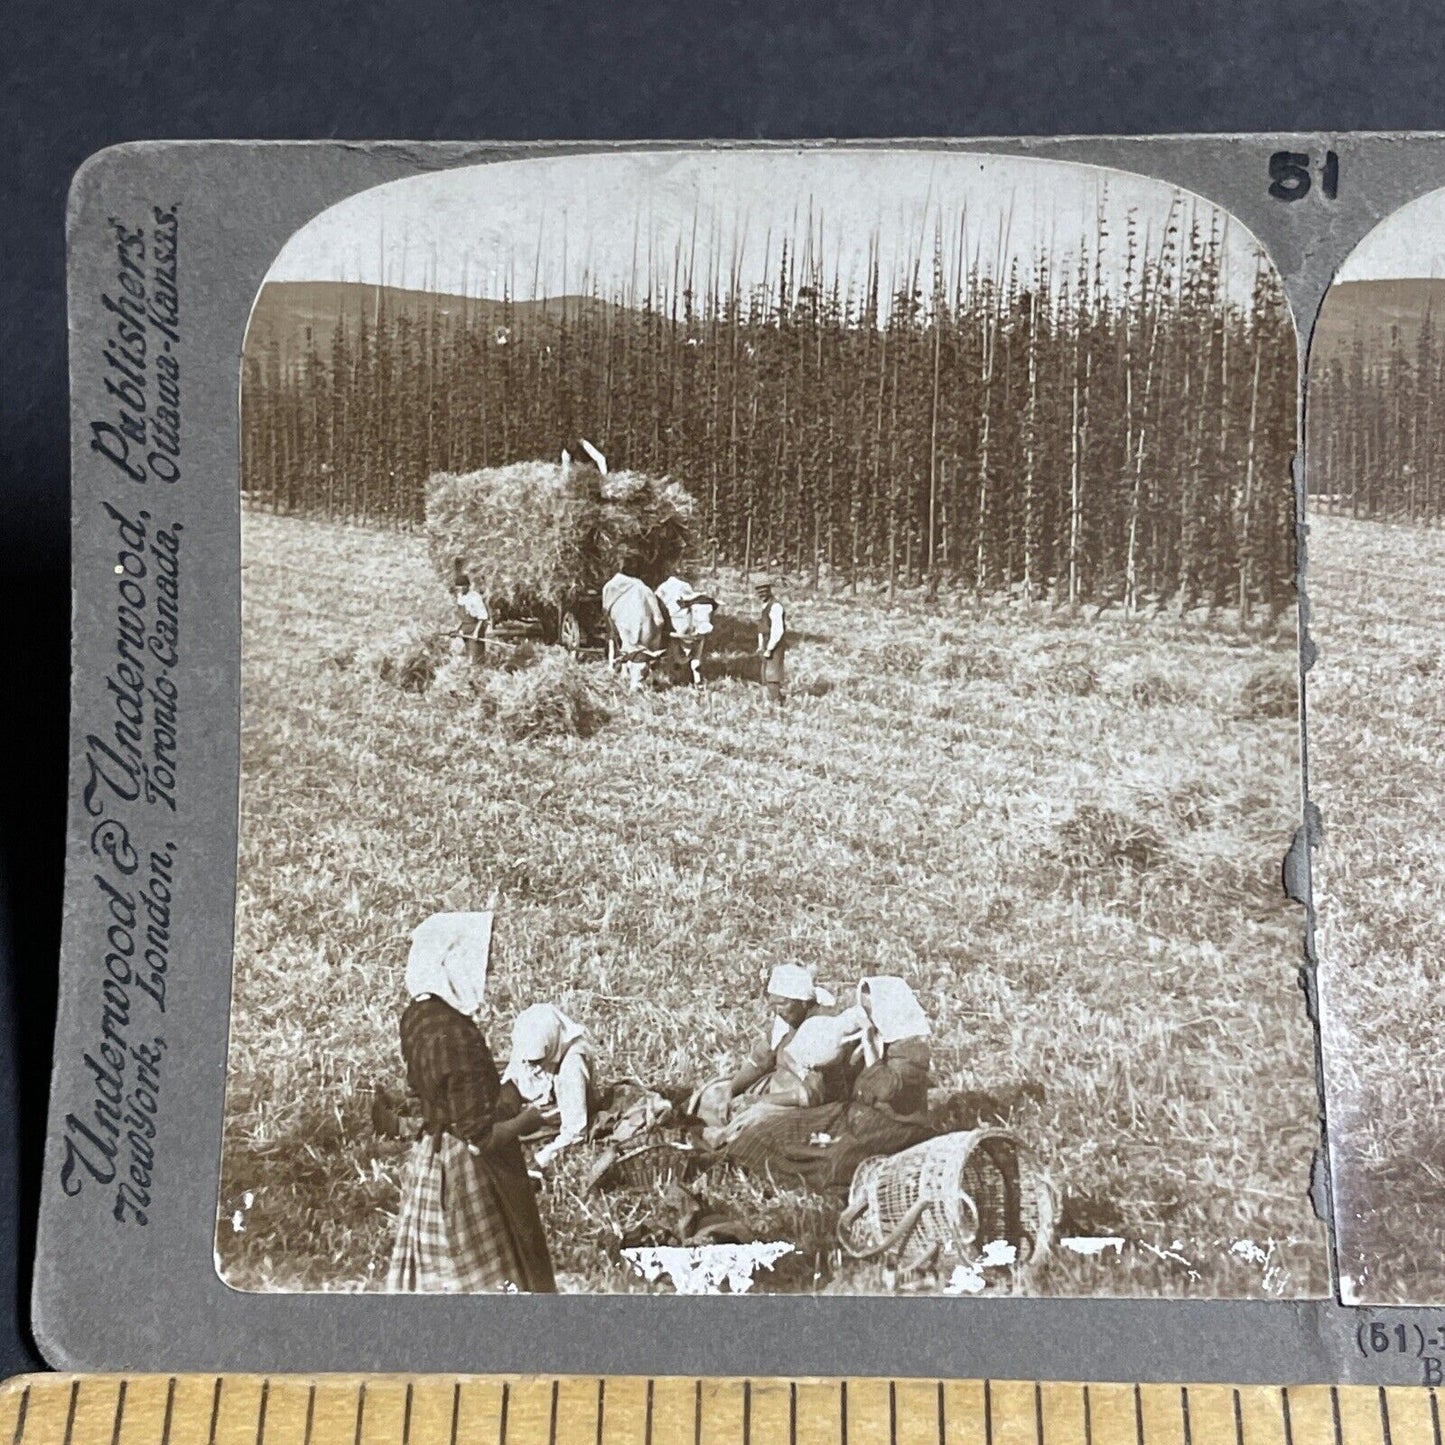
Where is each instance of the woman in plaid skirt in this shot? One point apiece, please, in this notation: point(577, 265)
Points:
point(469, 1221)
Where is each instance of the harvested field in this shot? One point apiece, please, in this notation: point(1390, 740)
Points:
point(1377, 773)
point(1067, 832)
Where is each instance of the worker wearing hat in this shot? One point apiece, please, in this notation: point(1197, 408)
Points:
point(473, 619)
point(772, 641)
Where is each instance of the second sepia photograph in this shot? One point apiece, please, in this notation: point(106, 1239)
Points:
point(770, 728)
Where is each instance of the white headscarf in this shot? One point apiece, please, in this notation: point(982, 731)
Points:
point(540, 1036)
point(448, 959)
point(893, 1008)
point(793, 981)
point(542, 1033)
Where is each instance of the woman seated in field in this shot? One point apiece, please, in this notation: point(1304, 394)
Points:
point(894, 1047)
point(551, 1069)
point(794, 998)
point(468, 1220)
point(767, 1077)
point(884, 1056)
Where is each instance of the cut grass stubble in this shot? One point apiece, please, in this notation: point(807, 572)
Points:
point(1080, 881)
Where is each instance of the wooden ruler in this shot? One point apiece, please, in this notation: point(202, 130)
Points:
point(579, 1410)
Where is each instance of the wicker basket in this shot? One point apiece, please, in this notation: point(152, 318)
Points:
point(950, 1199)
point(646, 1166)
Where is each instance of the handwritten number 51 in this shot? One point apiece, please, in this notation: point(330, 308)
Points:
point(1291, 176)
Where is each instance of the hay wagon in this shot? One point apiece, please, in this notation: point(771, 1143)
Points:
point(575, 621)
point(540, 538)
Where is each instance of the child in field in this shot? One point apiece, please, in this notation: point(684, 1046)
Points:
point(473, 618)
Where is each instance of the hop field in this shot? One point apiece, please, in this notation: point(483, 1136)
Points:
point(1066, 831)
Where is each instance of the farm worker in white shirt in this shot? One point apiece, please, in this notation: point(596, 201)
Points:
point(772, 642)
point(474, 617)
point(690, 614)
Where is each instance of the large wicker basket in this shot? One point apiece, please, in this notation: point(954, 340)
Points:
point(951, 1200)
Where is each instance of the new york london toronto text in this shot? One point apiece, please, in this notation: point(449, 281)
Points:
point(128, 771)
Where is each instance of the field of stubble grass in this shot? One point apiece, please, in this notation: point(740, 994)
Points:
point(1377, 772)
point(1065, 832)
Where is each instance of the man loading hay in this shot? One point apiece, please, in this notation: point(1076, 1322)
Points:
point(473, 618)
point(690, 613)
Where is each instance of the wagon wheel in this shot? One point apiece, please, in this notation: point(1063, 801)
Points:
point(569, 631)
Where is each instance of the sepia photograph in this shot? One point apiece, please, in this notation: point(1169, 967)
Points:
point(770, 727)
point(1376, 581)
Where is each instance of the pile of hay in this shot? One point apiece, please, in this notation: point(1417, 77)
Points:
point(557, 698)
point(1270, 692)
point(1098, 841)
point(410, 658)
point(529, 534)
point(539, 693)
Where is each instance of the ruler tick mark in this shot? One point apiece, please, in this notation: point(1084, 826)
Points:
point(792, 1413)
point(310, 1412)
point(261, 1411)
point(1289, 1423)
point(842, 1412)
point(70, 1413)
point(647, 1429)
point(406, 1417)
point(748, 1413)
point(942, 1416)
point(1434, 1418)
point(360, 1412)
point(120, 1415)
point(1335, 1410)
point(892, 1413)
point(552, 1426)
point(1385, 1418)
point(24, 1410)
point(987, 1413)
point(1138, 1416)
point(1088, 1418)
point(697, 1413)
point(1039, 1413)
point(170, 1410)
point(1238, 1420)
point(501, 1422)
point(601, 1404)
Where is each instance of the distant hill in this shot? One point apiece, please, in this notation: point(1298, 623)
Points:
point(1372, 311)
point(286, 309)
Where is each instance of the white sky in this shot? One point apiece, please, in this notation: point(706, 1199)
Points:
point(1410, 242)
point(557, 226)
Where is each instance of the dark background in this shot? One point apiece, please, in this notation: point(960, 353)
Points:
point(84, 77)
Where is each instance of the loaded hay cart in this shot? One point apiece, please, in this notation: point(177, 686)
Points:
point(539, 539)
